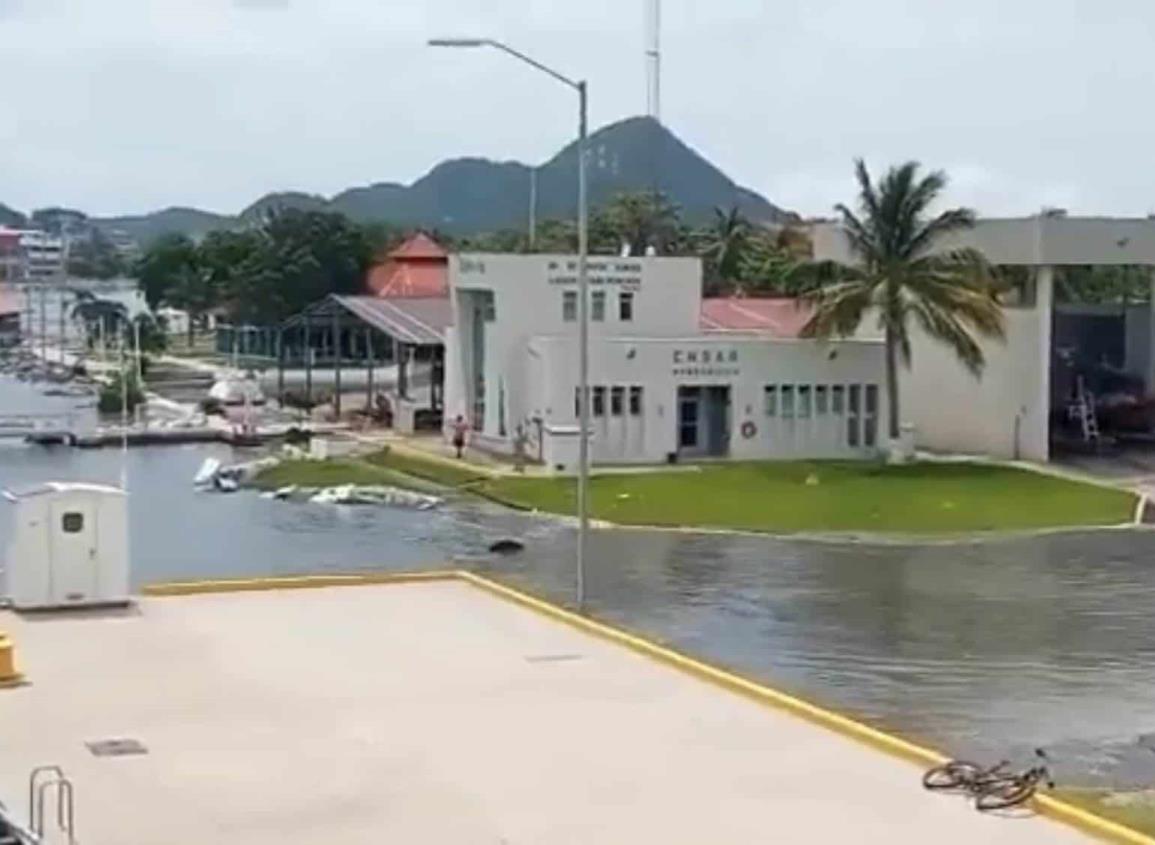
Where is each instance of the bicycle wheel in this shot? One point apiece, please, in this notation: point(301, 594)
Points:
point(1006, 795)
point(953, 775)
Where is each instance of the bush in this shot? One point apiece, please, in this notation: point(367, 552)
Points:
point(113, 398)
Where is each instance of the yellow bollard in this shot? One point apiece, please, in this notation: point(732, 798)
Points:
point(9, 677)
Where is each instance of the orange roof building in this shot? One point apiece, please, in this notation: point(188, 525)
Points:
point(419, 268)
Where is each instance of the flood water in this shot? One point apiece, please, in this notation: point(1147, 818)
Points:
point(984, 649)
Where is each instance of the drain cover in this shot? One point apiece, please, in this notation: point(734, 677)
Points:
point(551, 658)
point(116, 747)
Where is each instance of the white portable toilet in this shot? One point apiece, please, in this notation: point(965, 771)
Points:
point(67, 547)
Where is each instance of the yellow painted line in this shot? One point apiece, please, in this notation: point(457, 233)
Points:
point(1058, 810)
point(293, 582)
point(1061, 811)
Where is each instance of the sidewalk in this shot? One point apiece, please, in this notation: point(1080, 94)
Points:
point(432, 713)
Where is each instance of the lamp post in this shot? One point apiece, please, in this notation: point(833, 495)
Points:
point(583, 290)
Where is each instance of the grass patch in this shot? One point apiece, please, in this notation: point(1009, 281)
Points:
point(805, 496)
point(431, 469)
point(1135, 810)
point(334, 472)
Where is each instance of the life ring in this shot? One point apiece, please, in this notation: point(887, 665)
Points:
point(749, 429)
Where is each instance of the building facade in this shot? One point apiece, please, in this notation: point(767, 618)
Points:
point(30, 255)
point(662, 389)
point(1010, 410)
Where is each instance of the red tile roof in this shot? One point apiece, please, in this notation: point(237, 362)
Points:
point(417, 268)
point(778, 317)
point(420, 247)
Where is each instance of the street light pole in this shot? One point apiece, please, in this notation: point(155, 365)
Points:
point(583, 290)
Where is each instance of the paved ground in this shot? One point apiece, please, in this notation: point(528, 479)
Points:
point(431, 714)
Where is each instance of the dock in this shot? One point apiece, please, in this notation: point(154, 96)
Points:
point(431, 712)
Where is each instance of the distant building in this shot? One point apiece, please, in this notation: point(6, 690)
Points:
point(419, 268)
point(11, 257)
point(31, 255)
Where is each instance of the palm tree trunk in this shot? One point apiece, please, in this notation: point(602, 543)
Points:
point(892, 385)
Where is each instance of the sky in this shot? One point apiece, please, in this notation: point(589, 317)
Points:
point(125, 106)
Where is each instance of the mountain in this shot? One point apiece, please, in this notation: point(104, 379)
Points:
point(471, 195)
point(146, 228)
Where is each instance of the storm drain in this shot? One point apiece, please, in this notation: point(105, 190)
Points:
point(551, 658)
point(116, 747)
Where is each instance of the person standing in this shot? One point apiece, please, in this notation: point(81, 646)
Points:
point(460, 428)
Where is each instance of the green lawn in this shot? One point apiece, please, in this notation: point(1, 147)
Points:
point(384, 467)
point(333, 472)
point(925, 498)
point(433, 469)
point(1135, 810)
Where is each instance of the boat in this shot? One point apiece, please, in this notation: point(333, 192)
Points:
point(231, 390)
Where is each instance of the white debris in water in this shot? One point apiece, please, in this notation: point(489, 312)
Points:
point(375, 494)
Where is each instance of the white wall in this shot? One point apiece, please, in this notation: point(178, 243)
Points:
point(1004, 413)
point(528, 298)
point(744, 364)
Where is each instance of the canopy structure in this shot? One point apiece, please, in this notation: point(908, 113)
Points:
point(364, 331)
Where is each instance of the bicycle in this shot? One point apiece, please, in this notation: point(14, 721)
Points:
point(963, 775)
point(993, 788)
point(1018, 789)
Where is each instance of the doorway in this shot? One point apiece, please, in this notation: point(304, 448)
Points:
point(704, 421)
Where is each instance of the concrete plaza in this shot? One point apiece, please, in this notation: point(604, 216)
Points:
point(430, 713)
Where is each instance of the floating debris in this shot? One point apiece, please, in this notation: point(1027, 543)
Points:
point(506, 546)
point(376, 494)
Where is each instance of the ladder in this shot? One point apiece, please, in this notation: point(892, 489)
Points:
point(1085, 412)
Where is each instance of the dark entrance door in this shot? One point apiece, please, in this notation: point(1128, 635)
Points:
point(704, 421)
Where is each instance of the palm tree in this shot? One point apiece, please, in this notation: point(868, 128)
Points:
point(903, 273)
point(724, 245)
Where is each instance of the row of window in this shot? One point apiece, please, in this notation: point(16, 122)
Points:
point(618, 395)
point(858, 403)
point(569, 306)
point(799, 401)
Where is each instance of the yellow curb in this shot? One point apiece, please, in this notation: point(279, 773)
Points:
point(293, 582)
point(729, 680)
point(1053, 808)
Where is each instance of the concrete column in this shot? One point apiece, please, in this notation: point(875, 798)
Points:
point(1034, 414)
point(1149, 370)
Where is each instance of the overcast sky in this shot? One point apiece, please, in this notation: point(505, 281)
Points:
point(118, 106)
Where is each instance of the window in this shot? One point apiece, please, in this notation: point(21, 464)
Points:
point(599, 403)
point(569, 306)
point(788, 401)
point(854, 405)
point(770, 399)
point(870, 422)
point(617, 401)
point(72, 523)
point(489, 307)
point(598, 306)
point(837, 400)
point(820, 400)
point(626, 306)
point(803, 401)
point(636, 401)
point(577, 402)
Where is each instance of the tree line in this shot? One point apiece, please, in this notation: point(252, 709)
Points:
point(294, 257)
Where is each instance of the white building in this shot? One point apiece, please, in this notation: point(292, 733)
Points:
point(43, 254)
point(1026, 388)
point(662, 388)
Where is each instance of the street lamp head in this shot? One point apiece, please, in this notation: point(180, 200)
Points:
point(458, 42)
